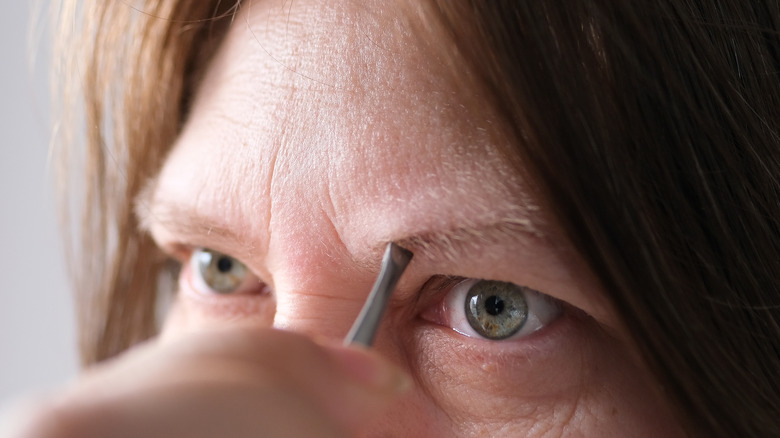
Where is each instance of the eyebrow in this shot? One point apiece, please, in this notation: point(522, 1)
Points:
point(184, 222)
point(448, 244)
point(441, 244)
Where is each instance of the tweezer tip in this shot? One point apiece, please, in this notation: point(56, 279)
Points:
point(400, 255)
point(394, 262)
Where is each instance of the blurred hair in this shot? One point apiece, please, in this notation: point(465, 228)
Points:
point(650, 129)
point(132, 72)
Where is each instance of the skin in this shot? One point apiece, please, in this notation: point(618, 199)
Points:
point(319, 133)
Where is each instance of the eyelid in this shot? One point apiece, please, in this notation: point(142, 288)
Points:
point(182, 252)
point(434, 287)
point(178, 251)
point(433, 291)
point(189, 277)
point(438, 309)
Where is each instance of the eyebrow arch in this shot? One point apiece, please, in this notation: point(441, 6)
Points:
point(448, 244)
point(184, 223)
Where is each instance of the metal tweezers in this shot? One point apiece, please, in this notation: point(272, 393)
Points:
point(366, 325)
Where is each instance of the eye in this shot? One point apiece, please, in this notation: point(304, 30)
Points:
point(495, 310)
point(214, 272)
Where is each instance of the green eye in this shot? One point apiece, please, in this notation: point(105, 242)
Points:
point(496, 310)
point(218, 273)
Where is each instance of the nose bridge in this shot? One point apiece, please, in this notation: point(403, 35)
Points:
point(321, 313)
point(319, 285)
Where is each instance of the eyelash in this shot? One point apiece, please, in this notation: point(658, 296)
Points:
point(445, 306)
point(200, 259)
point(441, 298)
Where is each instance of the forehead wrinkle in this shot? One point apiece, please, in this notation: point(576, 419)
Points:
point(289, 120)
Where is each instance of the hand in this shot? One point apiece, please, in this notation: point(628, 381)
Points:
point(236, 382)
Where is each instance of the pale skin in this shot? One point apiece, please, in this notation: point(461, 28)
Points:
point(319, 134)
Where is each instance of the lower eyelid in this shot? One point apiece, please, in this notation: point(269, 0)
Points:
point(537, 344)
point(221, 307)
point(549, 362)
point(538, 366)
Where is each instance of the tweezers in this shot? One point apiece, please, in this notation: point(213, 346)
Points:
point(394, 263)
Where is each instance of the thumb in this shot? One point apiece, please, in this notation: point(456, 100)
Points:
point(365, 387)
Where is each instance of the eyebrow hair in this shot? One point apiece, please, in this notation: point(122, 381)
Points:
point(184, 221)
point(446, 244)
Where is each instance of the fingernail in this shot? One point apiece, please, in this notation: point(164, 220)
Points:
point(372, 371)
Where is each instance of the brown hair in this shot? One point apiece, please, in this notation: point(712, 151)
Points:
point(135, 71)
point(651, 129)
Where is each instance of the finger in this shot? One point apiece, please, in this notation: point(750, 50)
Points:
point(351, 384)
point(239, 381)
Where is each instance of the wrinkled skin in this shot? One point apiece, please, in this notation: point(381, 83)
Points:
point(323, 130)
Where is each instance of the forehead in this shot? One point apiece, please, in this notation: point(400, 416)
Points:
point(344, 106)
point(363, 70)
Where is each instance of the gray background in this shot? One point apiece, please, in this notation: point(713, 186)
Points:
point(37, 337)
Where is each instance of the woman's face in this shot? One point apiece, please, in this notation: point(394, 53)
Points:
point(323, 130)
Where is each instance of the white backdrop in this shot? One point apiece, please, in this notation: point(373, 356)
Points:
point(37, 339)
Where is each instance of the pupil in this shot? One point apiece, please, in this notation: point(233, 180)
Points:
point(224, 264)
point(494, 305)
